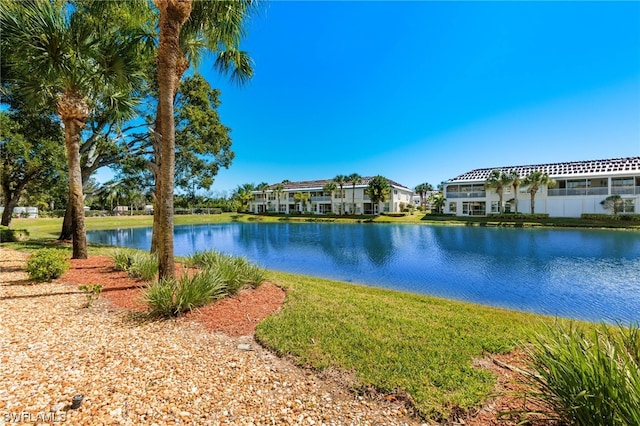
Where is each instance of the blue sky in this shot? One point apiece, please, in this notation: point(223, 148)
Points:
point(424, 91)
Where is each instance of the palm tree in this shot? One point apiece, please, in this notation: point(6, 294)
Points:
point(438, 201)
point(422, 190)
point(263, 187)
point(340, 180)
point(355, 179)
point(378, 190)
point(217, 27)
point(331, 188)
point(279, 190)
point(516, 181)
point(302, 198)
point(498, 180)
point(533, 182)
point(243, 194)
point(68, 66)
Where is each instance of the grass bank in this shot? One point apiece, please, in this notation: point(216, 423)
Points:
point(394, 342)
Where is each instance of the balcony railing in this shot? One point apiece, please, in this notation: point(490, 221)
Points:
point(625, 190)
point(592, 191)
point(476, 194)
point(321, 198)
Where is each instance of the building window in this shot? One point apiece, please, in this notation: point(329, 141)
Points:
point(474, 208)
point(453, 207)
point(628, 205)
point(495, 207)
point(622, 186)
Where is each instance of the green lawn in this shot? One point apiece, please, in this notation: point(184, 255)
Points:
point(393, 342)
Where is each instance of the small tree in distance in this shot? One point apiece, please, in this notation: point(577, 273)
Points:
point(612, 203)
point(378, 189)
point(533, 182)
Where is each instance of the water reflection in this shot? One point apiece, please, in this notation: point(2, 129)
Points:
point(585, 274)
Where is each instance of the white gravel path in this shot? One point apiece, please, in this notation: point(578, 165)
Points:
point(164, 372)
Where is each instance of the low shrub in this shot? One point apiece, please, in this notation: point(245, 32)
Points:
point(236, 272)
point(13, 235)
point(92, 292)
point(143, 266)
point(137, 264)
point(172, 297)
point(47, 264)
point(393, 214)
point(589, 377)
point(122, 259)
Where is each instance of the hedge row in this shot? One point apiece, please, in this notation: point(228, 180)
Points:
point(601, 216)
point(519, 216)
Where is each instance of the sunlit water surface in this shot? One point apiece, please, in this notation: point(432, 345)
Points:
point(584, 274)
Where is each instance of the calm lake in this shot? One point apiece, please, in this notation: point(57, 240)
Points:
point(584, 274)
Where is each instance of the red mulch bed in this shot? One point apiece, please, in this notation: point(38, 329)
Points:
point(234, 316)
point(239, 315)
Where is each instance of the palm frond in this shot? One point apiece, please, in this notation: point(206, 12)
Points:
point(236, 63)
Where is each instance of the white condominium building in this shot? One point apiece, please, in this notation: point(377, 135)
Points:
point(310, 197)
point(580, 187)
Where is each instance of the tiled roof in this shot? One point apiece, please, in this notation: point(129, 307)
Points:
point(559, 170)
point(319, 184)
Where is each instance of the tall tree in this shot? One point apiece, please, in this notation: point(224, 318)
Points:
point(203, 144)
point(215, 26)
point(497, 180)
point(302, 198)
point(113, 132)
point(243, 195)
point(341, 180)
point(533, 181)
point(263, 187)
point(378, 190)
point(355, 179)
point(516, 182)
point(31, 157)
point(422, 190)
point(71, 67)
point(438, 201)
point(279, 190)
point(330, 188)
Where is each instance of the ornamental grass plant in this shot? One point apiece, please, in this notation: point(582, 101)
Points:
point(588, 377)
point(172, 297)
point(122, 259)
point(143, 266)
point(235, 271)
point(137, 264)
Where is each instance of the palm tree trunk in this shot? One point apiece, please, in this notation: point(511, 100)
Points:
point(181, 67)
point(353, 199)
point(173, 13)
point(72, 113)
point(66, 233)
point(533, 202)
point(157, 140)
